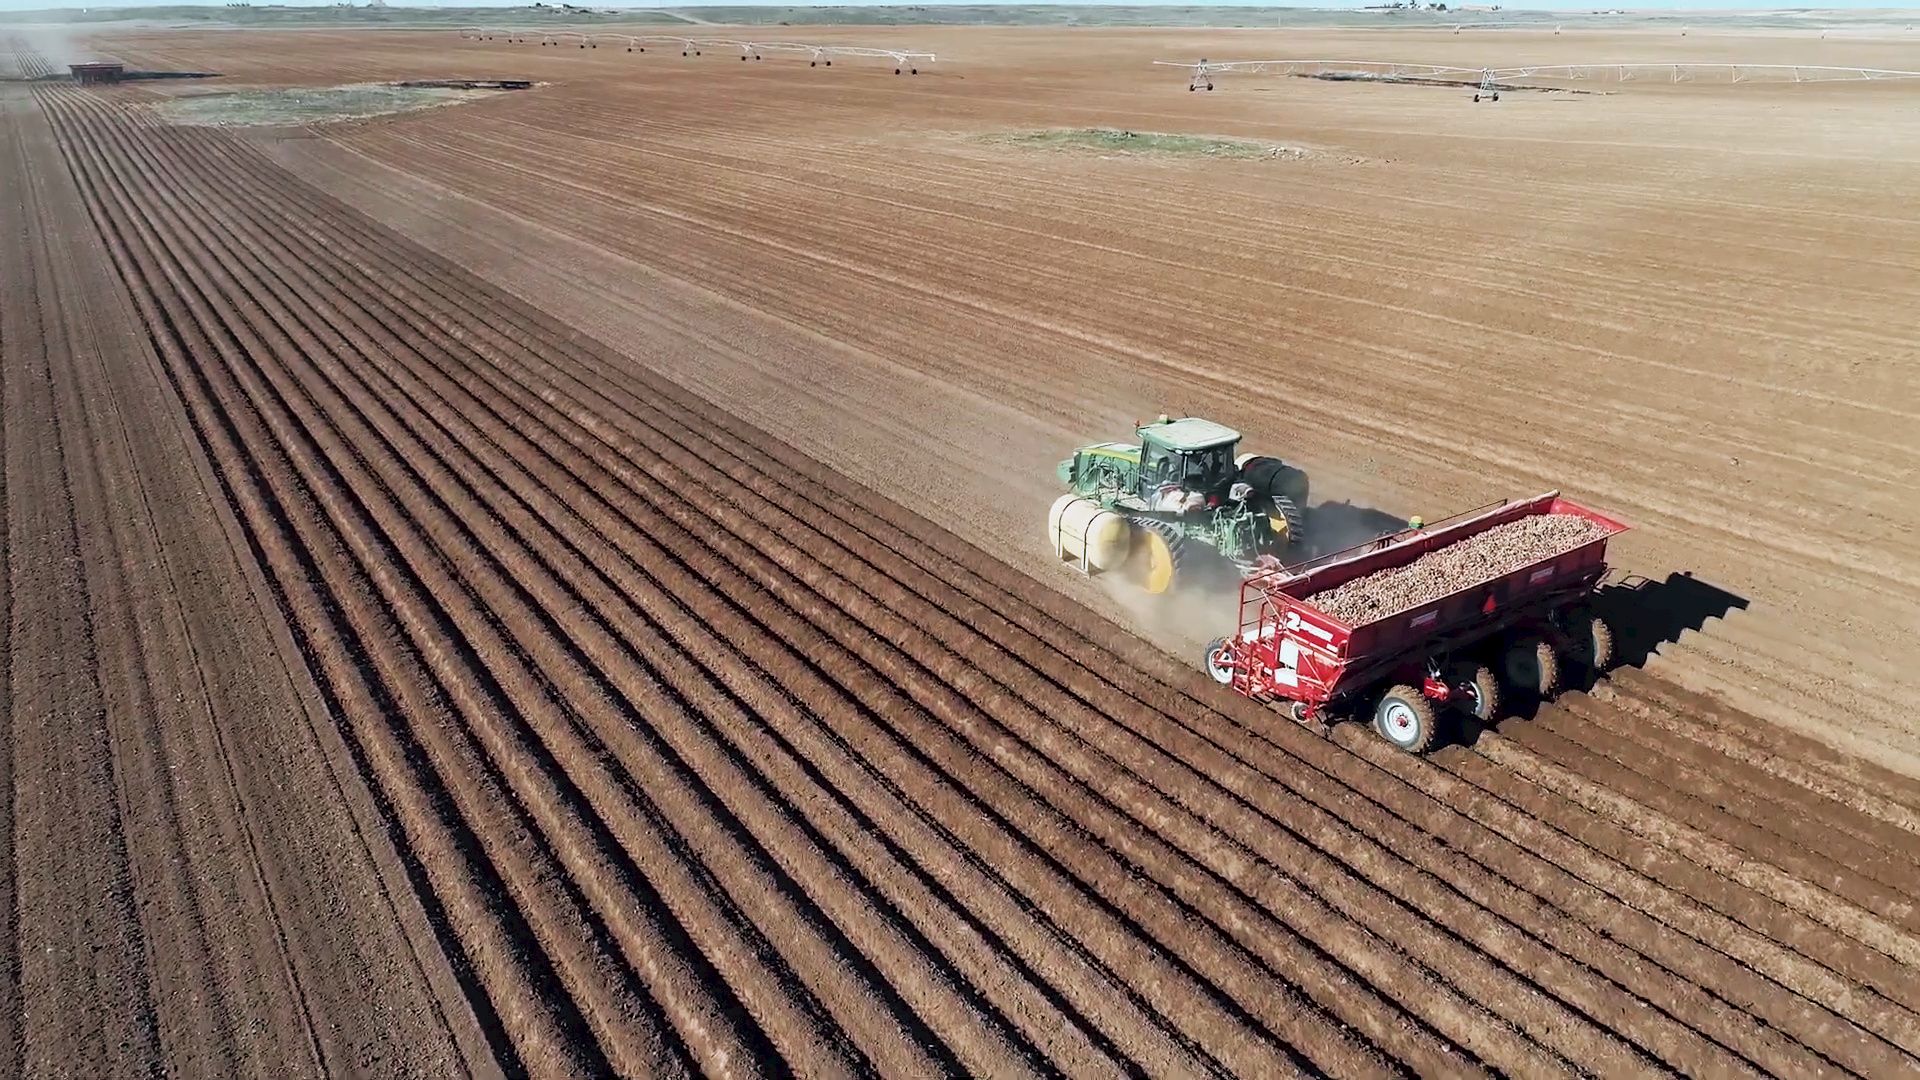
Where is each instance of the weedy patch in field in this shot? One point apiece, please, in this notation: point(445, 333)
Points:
point(310, 105)
point(1152, 143)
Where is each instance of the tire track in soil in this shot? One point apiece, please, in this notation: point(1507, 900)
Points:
point(1886, 986)
point(1795, 832)
point(1815, 822)
point(1689, 899)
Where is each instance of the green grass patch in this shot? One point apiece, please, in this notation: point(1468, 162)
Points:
point(1113, 141)
point(308, 105)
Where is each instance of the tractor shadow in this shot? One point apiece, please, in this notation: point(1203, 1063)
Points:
point(1644, 615)
point(1336, 526)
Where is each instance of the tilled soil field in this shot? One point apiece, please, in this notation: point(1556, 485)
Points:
point(1682, 303)
point(621, 735)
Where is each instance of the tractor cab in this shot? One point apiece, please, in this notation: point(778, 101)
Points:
point(1177, 505)
point(1190, 454)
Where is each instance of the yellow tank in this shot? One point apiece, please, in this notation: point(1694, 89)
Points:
point(1075, 522)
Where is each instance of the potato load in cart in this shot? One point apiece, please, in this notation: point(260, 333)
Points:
point(1450, 615)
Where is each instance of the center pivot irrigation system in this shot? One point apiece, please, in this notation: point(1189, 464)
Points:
point(1487, 81)
point(817, 55)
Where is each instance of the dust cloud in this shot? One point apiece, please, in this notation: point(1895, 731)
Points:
point(60, 45)
point(1181, 623)
point(1185, 622)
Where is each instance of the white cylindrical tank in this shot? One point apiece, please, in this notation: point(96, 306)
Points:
point(1077, 523)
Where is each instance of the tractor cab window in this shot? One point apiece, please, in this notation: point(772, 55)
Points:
point(1204, 468)
point(1190, 470)
point(1158, 465)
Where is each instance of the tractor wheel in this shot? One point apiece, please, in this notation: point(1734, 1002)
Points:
point(1478, 691)
point(1288, 518)
point(1219, 661)
point(1532, 667)
point(1272, 477)
point(1160, 558)
point(1405, 718)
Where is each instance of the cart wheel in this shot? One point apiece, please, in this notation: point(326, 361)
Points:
point(1532, 667)
point(1405, 718)
point(1589, 644)
point(1478, 691)
point(1219, 661)
point(1476, 98)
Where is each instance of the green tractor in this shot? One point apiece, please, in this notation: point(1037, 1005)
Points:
point(1178, 509)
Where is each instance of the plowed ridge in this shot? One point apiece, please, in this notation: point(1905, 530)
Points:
point(712, 761)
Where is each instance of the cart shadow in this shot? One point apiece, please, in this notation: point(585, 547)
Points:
point(1644, 615)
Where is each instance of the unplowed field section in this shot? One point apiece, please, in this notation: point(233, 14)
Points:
point(704, 759)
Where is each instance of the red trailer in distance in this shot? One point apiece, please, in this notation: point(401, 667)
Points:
point(1526, 623)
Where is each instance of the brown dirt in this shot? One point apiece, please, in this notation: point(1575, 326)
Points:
point(1674, 301)
point(402, 679)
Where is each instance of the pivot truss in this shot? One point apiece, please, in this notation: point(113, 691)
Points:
point(904, 61)
point(1486, 81)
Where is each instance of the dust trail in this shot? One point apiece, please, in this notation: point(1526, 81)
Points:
point(59, 45)
point(1181, 624)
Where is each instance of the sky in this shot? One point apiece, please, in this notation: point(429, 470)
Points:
point(1516, 5)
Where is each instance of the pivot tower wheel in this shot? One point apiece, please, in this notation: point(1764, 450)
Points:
point(1405, 718)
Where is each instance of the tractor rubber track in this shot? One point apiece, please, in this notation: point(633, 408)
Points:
point(709, 760)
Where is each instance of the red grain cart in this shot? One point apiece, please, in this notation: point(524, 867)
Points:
point(1403, 667)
